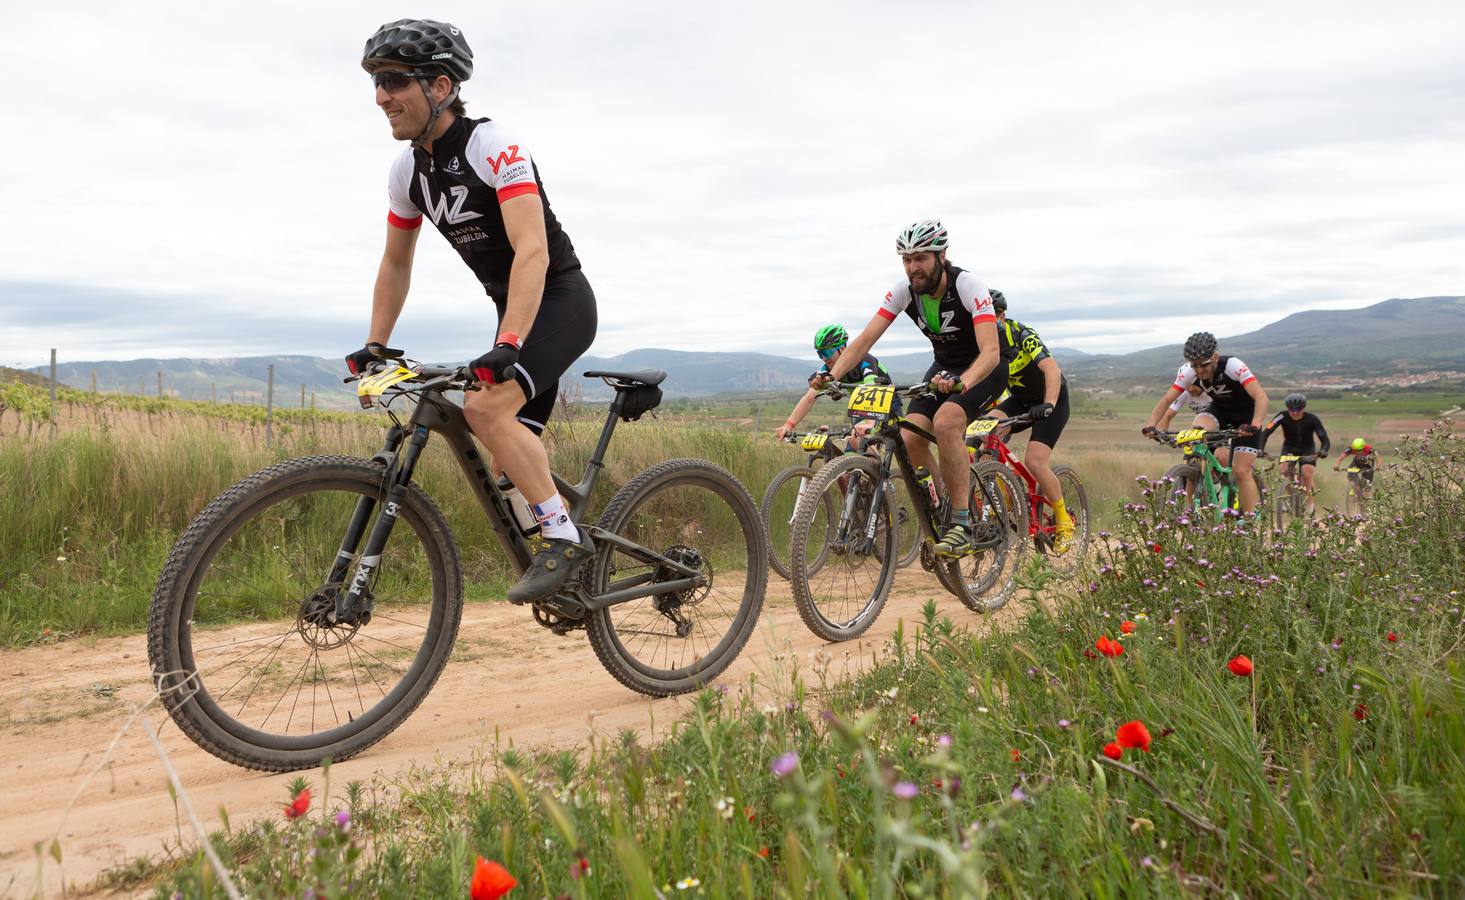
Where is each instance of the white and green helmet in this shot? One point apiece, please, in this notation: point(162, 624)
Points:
point(925, 236)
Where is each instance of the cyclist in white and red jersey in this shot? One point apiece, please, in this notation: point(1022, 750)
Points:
point(481, 189)
point(954, 311)
point(1237, 401)
point(1198, 401)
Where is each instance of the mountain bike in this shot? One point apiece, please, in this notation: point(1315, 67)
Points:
point(1205, 482)
point(784, 490)
point(842, 599)
point(308, 610)
point(982, 440)
point(1291, 501)
point(1360, 489)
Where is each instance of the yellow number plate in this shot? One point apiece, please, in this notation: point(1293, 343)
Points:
point(1288, 458)
point(1353, 469)
point(1190, 435)
point(814, 442)
point(981, 427)
point(373, 385)
point(871, 401)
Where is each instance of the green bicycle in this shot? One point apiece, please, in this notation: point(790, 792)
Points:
point(1206, 483)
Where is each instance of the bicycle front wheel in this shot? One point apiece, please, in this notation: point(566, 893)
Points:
point(777, 513)
point(842, 600)
point(242, 652)
point(700, 515)
point(905, 519)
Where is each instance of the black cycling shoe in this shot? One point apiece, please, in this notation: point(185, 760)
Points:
point(551, 567)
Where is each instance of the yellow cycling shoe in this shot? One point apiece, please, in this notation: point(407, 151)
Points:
point(1063, 533)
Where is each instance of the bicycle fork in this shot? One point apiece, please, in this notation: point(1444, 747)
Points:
point(353, 606)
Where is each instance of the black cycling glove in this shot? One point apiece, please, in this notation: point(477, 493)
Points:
point(1041, 410)
point(497, 365)
point(358, 361)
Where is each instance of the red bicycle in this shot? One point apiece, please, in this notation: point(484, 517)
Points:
point(982, 440)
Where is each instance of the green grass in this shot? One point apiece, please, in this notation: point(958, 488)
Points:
point(962, 765)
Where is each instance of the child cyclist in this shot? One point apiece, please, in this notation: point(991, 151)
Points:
point(829, 342)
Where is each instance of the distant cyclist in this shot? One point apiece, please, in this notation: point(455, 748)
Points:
point(1299, 430)
point(1237, 401)
point(952, 308)
point(830, 343)
point(1200, 404)
point(1035, 385)
point(1363, 456)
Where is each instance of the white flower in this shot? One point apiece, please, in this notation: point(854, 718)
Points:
point(688, 882)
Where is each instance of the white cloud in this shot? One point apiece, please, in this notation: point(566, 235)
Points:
point(733, 176)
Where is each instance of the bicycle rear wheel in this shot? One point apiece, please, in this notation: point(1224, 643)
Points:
point(1186, 482)
point(843, 599)
point(700, 515)
point(777, 512)
point(1076, 500)
point(985, 580)
point(238, 641)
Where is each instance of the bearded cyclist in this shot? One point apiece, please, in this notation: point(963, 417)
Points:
point(1299, 428)
point(1237, 401)
point(829, 343)
point(1035, 385)
point(953, 309)
point(481, 188)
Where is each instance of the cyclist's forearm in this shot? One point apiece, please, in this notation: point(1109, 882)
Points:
point(526, 291)
point(1052, 379)
point(802, 408)
point(387, 299)
point(858, 347)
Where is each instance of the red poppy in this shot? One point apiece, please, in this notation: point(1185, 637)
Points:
point(298, 805)
point(915, 718)
point(1127, 627)
point(1240, 666)
point(763, 852)
point(1089, 654)
point(1360, 712)
point(1134, 734)
point(1199, 583)
point(1109, 647)
point(490, 880)
point(579, 868)
point(1113, 750)
point(1157, 548)
point(1393, 638)
point(1015, 755)
point(753, 817)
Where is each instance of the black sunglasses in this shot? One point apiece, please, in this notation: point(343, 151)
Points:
point(393, 81)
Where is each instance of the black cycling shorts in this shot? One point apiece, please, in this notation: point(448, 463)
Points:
point(974, 400)
point(563, 330)
point(1251, 444)
point(1045, 431)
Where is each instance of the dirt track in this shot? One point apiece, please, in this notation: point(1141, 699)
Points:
point(63, 705)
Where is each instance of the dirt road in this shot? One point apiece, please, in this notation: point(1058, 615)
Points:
point(61, 706)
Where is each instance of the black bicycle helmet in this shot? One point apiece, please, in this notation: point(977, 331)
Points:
point(1199, 346)
point(1296, 401)
point(424, 45)
point(999, 302)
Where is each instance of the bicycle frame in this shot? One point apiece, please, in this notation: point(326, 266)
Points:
point(1222, 491)
point(434, 413)
point(1036, 501)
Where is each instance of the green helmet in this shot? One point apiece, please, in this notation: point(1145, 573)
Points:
point(1359, 444)
point(830, 337)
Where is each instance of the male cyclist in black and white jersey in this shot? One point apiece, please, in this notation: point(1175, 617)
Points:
point(1299, 429)
point(1237, 401)
point(953, 310)
point(481, 189)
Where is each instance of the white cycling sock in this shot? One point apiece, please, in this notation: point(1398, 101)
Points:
point(554, 519)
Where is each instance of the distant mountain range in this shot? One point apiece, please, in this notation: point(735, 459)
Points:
point(1387, 338)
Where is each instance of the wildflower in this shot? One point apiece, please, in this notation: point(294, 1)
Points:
point(1147, 862)
point(953, 787)
point(905, 790)
point(1141, 616)
point(1064, 723)
point(1360, 711)
point(343, 820)
point(726, 806)
point(1157, 548)
point(1392, 637)
point(915, 719)
point(943, 740)
point(1148, 582)
point(1019, 795)
point(1126, 627)
point(688, 883)
point(490, 880)
point(763, 852)
point(298, 805)
point(1014, 754)
point(1134, 734)
point(579, 868)
point(1240, 666)
point(1109, 647)
point(1113, 750)
point(785, 764)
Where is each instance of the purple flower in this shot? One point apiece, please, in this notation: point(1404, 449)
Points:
point(1018, 795)
point(1148, 582)
point(1064, 723)
point(905, 790)
point(1147, 862)
point(343, 820)
point(785, 764)
point(943, 740)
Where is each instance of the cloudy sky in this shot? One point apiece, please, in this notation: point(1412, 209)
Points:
point(208, 179)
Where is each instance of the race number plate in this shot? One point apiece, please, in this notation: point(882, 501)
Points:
point(814, 442)
point(981, 427)
point(871, 401)
point(1190, 435)
point(1353, 470)
point(372, 386)
point(1289, 458)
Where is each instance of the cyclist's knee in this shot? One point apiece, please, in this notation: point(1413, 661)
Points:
point(493, 406)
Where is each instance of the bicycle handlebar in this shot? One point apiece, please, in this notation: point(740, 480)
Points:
point(836, 390)
point(1168, 437)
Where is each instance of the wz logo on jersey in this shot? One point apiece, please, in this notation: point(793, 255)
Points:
point(438, 208)
point(505, 158)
